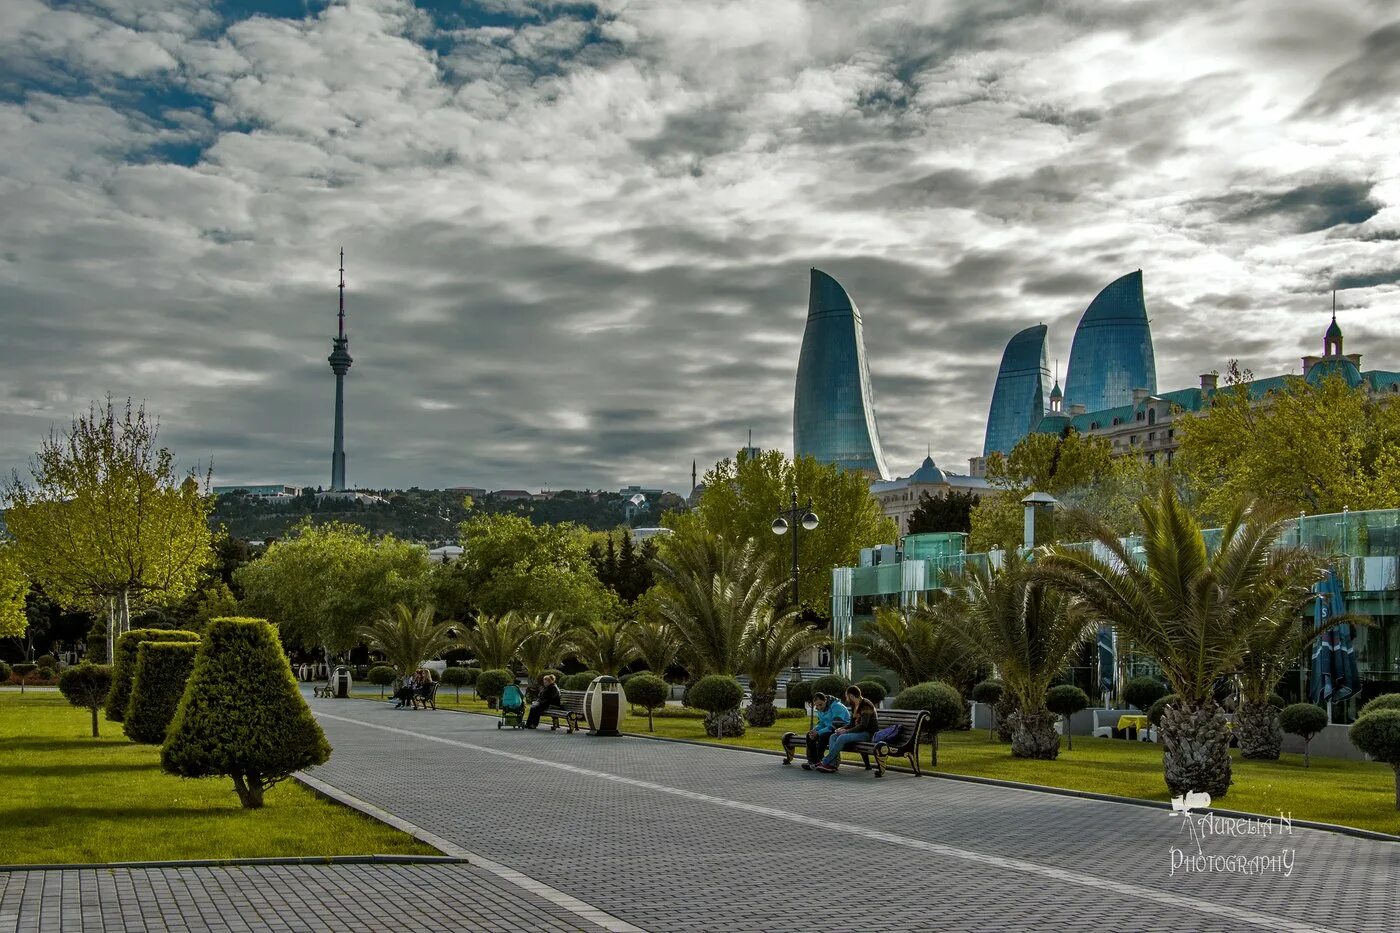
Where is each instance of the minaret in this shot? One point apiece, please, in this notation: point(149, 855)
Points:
point(340, 364)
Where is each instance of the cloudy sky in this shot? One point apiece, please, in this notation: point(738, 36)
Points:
point(577, 234)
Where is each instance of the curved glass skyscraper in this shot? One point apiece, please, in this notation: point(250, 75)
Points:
point(1112, 351)
point(833, 414)
point(1018, 400)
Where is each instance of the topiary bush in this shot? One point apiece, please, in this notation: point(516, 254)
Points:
point(4, 672)
point(647, 691)
point(1305, 720)
point(381, 675)
point(1384, 701)
point(1377, 733)
point(943, 704)
point(455, 677)
point(719, 695)
point(473, 673)
point(96, 641)
point(242, 714)
point(489, 685)
point(1066, 700)
point(579, 681)
point(47, 663)
point(1142, 692)
point(124, 667)
point(23, 670)
point(162, 669)
point(873, 690)
point(87, 685)
point(1276, 701)
point(799, 693)
point(1154, 712)
point(989, 692)
point(833, 685)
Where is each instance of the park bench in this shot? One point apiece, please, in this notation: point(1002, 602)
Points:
point(570, 709)
point(326, 689)
point(905, 743)
point(429, 698)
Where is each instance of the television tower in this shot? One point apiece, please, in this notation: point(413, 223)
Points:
point(340, 364)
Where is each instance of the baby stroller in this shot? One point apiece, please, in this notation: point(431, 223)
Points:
point(512, 708)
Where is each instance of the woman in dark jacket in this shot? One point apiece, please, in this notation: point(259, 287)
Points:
point(548, 699)
point(864, 722)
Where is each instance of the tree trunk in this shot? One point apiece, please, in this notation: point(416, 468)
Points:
point(1033, 735)
point(761, 711)
point(94, 721)
point(1196, 750)
point(111, 629)
point(933, 750)
point(249, 789)
point(1397, 787)
point(730, 722)
point(1002, 713)
point(123, 611)
point(650, 726)
point(1257, 726)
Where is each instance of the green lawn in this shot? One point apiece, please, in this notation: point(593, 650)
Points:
point(68, 797)
point(1350, 793)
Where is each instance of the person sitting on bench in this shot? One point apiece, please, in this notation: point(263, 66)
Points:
point(864, 722)
point(548, 699)
point(403, 696)
point(832, 714)
point(422, 687)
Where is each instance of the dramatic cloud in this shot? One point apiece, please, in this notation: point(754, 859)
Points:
point(577, 235)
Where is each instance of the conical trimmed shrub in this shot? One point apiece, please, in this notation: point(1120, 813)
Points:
point(162, 668)
point(124, 667)
point(242, 714)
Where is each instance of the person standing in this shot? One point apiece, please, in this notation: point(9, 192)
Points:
point(832, 714)
point(548, 699)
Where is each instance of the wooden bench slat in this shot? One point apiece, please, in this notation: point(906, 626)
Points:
point(905, 744)
point(570, 709)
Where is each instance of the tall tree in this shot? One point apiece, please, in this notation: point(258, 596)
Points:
point(105, 515)
point(743, 497)
point(14, 587)
point(512, 564)
point(952, 511)
point(408, 637)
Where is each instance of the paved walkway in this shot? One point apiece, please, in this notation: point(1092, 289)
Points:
point(629, 834)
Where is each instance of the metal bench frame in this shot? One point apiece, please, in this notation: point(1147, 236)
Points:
point(905, 746)
point(570, 709)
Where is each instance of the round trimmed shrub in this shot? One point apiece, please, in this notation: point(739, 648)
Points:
point(46, 662)
point(455, 677)
point(799, 693)
point(833, 685)
point(87, 685)
point(1305, 720)
point(1384, 701)
point(874, 690)
point(1276, 701)
point(988, 691)
point(162, 669)
point(1142, 692)
point(719, 695)
point(1377, 733)
point(96, 641)
point(1066, 700)
point(1154, 712)
point(124, 668)
point(23, 670)
point(579, 681)
point(4, 672)
point(943, 704)
point(647, 691)
point(242, 714)
point(381, 675)
point(472, 673)
point(489, 684)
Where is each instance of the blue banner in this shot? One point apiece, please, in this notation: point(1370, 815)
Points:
point(1334, 671)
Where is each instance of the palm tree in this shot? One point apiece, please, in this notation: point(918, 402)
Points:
point(914, 645)
point(656, 645)
point(710, 591)
point(544, 644)
point(407, 638)
point(1014, 621)
point(496, 640)
point(605, 647)
point(1192, 611)
point(769, 644)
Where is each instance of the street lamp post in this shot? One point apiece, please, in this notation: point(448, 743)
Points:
point(797, 518)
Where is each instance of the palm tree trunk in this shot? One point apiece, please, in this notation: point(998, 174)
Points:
point(1003, 710)
point(1033, 735)
point(1261, 738)
point(1196, 750)
point(761, 711)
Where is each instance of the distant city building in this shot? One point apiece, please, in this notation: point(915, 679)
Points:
point(833, 416)
point(649, 492)
point(512, 494)
point(340, 365)
point(348, 495)
point(445, 554)
point(1112, 351)
point(641, 534)
point(899, 498)
point(1019, 397)
point(1145, 426)
point(476, 492)
point(260, 491)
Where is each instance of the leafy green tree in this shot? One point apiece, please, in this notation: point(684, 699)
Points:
point(408, 637)
point(215, 601)
point(1192, 611)
point(86, 685)
point(1065, 700)
point(1011, 619)
point(944, 705)
point(914, 645)
point(605, 646)
point(649, 692)
point(511, 564)
point(162, 668)
point(719, 695)
point(382, 675)
point(1306, 447)
point(14, 588)
point(323, 583)
point(242, 714)
point(105, 516)
point(495, 640)
point(1377, 734)
point(1050, 463)
point(951, 511)
point(455, 677)
point(742, 497)
point(1304, 720)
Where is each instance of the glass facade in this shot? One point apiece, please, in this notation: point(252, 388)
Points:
point(1019, 398)
point(833, 414)
point(1112, 350)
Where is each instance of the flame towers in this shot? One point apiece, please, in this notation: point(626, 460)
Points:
point(340, 365)
point(1112, 351)
point(833, 416)
point(1019, 398)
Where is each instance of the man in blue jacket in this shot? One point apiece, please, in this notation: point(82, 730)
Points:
point(832, 714)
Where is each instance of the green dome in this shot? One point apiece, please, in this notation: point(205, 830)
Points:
point(1345, 367)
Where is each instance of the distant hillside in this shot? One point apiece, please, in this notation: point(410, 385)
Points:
point(427, 515)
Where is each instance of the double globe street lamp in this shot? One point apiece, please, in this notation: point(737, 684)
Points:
point(797, 518)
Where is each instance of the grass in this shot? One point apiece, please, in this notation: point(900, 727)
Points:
point(71, 798)
point(1333, 790)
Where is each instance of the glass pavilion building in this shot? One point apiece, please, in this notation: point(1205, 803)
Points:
point(1022, 386)
point(833, 415)
point(1112, 350)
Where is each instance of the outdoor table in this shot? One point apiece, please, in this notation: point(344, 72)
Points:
point(1136, 723)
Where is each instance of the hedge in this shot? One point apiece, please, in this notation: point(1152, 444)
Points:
point(162, 669)
point(124, 667)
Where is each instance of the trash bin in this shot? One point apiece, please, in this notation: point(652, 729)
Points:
point(342, 683)
point(603, 705)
